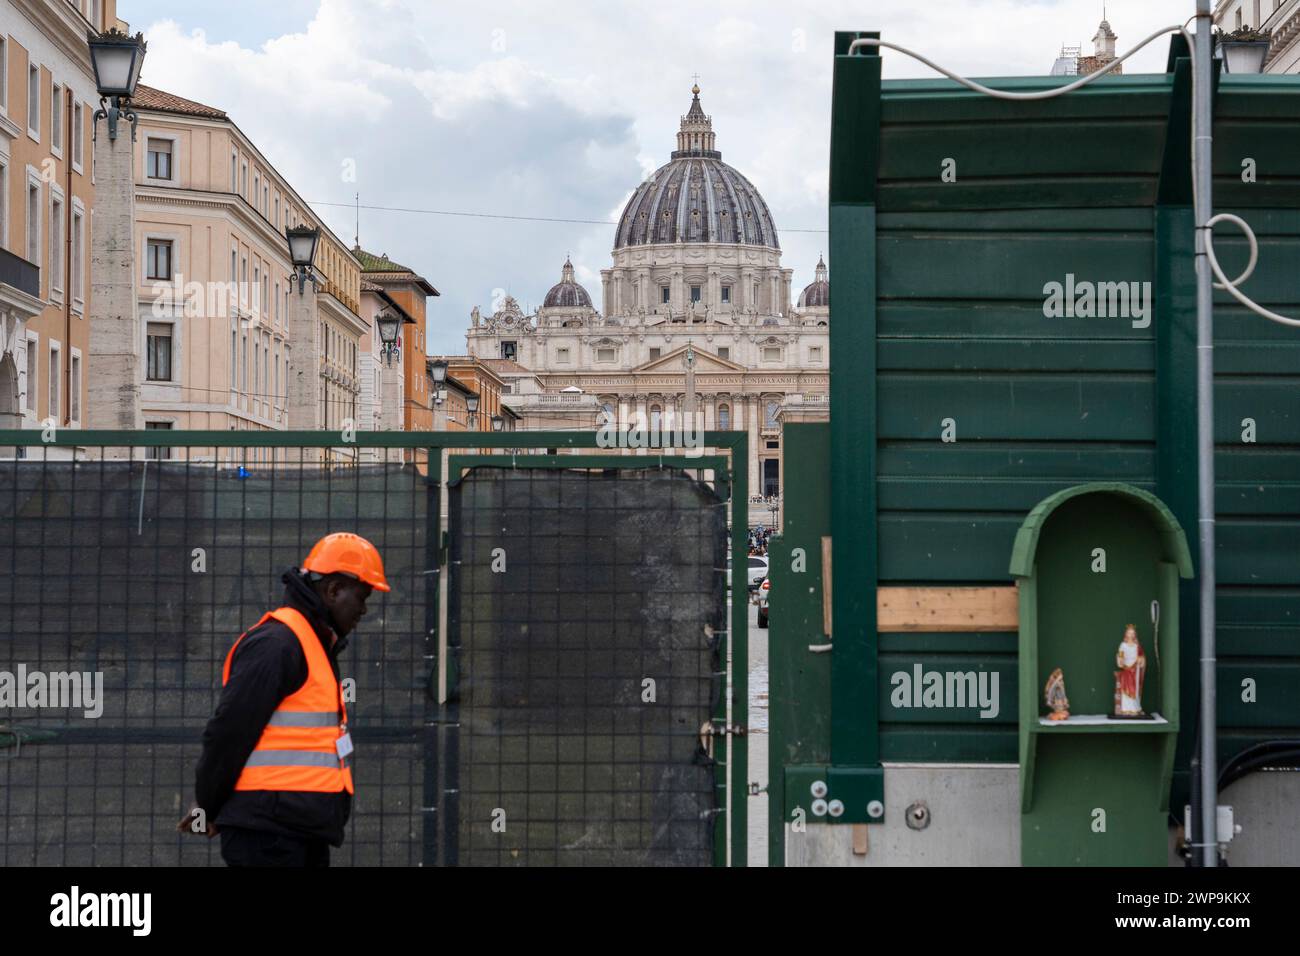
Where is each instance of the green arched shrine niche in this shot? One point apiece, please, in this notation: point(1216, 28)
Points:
point(1088, 561)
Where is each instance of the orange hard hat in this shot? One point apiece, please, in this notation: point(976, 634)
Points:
point(347, 553)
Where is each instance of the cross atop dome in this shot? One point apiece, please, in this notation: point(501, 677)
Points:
point(696, 136)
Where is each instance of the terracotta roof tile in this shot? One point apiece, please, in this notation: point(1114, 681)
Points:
point(148, 98)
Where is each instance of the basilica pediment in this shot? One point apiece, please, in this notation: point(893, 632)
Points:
point(675, 361)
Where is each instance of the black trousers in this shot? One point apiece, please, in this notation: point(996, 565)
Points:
point(240, 847)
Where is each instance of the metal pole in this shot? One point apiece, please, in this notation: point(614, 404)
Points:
point(1203, 115)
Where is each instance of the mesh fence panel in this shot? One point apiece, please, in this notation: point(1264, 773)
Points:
point(568, 591)
point(146, 572)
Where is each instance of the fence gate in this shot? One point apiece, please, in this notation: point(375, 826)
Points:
point(584, 698)
point(581, 690)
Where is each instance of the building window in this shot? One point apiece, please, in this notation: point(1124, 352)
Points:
point(234, 361)
point(78, 135)
point(243, 180)
point(656, 416)
point(257, 189)
point(770, 411)
point(56, 247)
point(276, 220)
point(159, 453)
point(54, 381)
point(724, 352)
point(33, 347)
point(158, 259)
point(815, 355)
point(34, 223)
point(726, 294)
point(266, 200)
point(695, 293)
point(509, 350)
point(56, 118)
point(605, 355)
point(655, 353)
point(34, 102)
point(562, 356)
point(78, 250)
point(234, 171)
point(771, 353)
point(159, 348)
point(160, 159)
point(75, 398)
point(724, 417)
point(664, 295)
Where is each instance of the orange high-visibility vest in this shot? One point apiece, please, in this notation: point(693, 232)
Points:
point(299, 747)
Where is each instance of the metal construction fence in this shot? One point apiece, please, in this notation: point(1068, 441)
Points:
point(559, 700)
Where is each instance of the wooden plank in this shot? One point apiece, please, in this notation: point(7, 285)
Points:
point(826, 585)
point(860, 840)
point(929, 610)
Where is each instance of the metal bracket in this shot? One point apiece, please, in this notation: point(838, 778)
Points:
point(836, 794)
point(112, 112)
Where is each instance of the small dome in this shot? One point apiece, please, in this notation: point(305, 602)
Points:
point(567, 293)
point(816, 294)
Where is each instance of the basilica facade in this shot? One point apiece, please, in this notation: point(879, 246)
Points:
point(696, 276)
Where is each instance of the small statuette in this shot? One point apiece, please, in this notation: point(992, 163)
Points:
point(1132, 664)
point(1054, 696)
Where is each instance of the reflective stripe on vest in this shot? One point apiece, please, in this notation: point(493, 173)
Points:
point(298, 747)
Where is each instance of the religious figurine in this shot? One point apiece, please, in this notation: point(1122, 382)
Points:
point(1054, 696)
point(1132, 664)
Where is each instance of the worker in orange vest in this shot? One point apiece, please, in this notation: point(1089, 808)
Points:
point(275, 776)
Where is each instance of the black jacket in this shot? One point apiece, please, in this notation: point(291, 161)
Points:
point(268, 666)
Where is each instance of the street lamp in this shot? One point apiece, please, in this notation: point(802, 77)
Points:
point(1244, 50)
point(388, 324)
point(302, 251)
point(498, 423)
point(471, 406)
point(116, 58)
point(438, 369)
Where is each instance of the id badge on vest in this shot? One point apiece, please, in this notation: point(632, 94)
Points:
point(344, 747)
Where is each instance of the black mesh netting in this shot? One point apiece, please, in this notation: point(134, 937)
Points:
point(146, 573)
point(584, 613)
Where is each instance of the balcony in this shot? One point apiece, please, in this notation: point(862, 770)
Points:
point(17, 272)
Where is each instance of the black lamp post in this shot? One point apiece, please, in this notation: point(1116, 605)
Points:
point(1244, 50)
point(498, 423)
point(116, 58)
point(438, 369)
point(471, 406)
point(388, 324)
point(302, 251)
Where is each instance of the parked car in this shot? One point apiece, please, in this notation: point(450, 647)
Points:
point(757, 570)
point(763, 590)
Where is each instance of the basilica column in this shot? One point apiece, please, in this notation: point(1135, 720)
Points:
point(752, 417)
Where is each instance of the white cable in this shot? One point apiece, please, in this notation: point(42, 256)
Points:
point(1230, 285)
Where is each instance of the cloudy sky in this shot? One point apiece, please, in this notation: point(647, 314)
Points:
point(557, 110)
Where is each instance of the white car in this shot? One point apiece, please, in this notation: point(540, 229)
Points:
point(757, 571)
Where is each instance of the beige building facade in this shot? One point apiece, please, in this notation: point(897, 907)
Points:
point(215, 288)
point(47, 193)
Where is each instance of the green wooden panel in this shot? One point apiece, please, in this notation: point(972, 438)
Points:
point(1275, 687)
point(1101, 407)
point(1237, 641)
point(994, 459)
point(1017, 355)
point(947, 688)
point(980, 644)
point(1001, 320)
point(946, 549)
point(1257, 551)
point(955, 743)
point(1016, 266)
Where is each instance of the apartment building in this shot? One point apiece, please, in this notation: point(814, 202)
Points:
point(214, 279)
point(47, 103)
